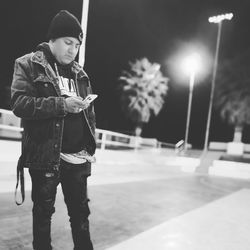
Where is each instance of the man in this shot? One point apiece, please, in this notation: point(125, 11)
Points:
point(58, 143)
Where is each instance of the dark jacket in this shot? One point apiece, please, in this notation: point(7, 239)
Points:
point(35, 97)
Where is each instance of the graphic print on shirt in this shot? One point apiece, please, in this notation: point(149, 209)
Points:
point(67, 86)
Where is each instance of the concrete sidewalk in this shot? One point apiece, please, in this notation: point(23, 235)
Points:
point(137, 195)
point(219, 225)
point(122, 211)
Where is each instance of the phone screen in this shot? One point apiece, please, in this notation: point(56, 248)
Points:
point(90, 98)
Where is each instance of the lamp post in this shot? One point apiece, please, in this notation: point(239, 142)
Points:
point(84, 23)
point(218, 20)
point(191, 87)
point(191, 64)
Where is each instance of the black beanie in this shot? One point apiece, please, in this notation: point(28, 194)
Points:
point(65, 24)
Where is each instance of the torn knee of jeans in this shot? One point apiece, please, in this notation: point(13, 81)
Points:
point(84, 211)
point(48, 205)
point(49, 174)
point(85, 226)
point(44, 209)
point(85, 201)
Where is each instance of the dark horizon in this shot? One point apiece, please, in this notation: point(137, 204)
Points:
point(122, 31)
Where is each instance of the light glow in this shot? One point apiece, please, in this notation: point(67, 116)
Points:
point(178, 63)
point(191, 64)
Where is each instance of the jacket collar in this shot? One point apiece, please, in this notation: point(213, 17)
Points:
point(39, 57)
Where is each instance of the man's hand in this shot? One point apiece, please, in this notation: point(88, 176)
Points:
point(75, 104)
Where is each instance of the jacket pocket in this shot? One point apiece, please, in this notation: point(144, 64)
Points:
point(44, 86)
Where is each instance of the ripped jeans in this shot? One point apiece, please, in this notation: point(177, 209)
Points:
point(73, 180)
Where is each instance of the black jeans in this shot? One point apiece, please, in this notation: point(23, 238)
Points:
point(73, 180)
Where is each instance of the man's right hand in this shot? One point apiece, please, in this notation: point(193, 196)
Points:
point(75, 104)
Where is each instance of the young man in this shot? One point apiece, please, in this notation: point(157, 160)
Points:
point(58, 142)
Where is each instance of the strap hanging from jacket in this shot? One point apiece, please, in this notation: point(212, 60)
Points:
point(20, 177)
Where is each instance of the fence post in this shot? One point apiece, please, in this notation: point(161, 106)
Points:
point(137, 142)
point(103, 140)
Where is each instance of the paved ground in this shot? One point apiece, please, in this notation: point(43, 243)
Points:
point(133, 194)
point(222, 224)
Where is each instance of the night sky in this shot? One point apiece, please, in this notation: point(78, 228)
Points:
point(124, 30)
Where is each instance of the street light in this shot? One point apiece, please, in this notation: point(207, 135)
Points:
point(218, 20)
point(190, 65)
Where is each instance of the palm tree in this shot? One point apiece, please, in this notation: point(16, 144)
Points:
point(143, 89)
point(232, 96)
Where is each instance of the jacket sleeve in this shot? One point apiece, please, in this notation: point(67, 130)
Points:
point(91, 111)
point(92, 117)
point(25, 102)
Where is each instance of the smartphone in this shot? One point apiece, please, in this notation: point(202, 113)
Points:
point(90, 98)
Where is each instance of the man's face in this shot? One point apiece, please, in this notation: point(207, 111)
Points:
point(65, 49)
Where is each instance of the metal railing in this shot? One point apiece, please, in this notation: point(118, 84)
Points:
point(105, 139)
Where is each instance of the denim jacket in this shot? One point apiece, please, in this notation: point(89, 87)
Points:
point(35, 97)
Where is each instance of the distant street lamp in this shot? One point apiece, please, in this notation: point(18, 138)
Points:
point(218, 20)
point(190, 65)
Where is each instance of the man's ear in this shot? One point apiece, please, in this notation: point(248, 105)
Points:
point(52, 41)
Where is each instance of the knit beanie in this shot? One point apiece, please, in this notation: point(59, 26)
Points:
point(65, 24)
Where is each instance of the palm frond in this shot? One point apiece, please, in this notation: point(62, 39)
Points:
point(143, 90)
point(232, 93)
